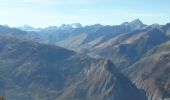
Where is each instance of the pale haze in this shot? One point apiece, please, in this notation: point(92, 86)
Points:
point(42, 13)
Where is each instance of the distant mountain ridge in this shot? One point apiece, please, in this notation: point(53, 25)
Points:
point(139, 51)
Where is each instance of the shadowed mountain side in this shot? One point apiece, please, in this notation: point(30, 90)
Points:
point(33, 71)
point(152, 72)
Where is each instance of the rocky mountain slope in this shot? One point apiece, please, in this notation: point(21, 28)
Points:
point(139, 51)
point(152, 72)
point(35, 71)
point(87, 41)
point(127, 48)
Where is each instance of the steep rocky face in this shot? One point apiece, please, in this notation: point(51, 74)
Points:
point(101, 83)
point(135, 24)
point(33, 71)
point(142, 56)
point(126, 49)
point(152, 72)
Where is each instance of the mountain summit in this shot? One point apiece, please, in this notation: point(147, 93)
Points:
point(135, 24)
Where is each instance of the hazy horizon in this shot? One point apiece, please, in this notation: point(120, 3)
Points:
point(43, 13)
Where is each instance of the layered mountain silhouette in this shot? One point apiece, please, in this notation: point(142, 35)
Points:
point(31, 71)
point(109, 60)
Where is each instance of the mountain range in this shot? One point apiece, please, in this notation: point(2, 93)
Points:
point(34, 71)
point(129, 61)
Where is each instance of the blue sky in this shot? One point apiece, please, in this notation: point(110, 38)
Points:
point(42, 13)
